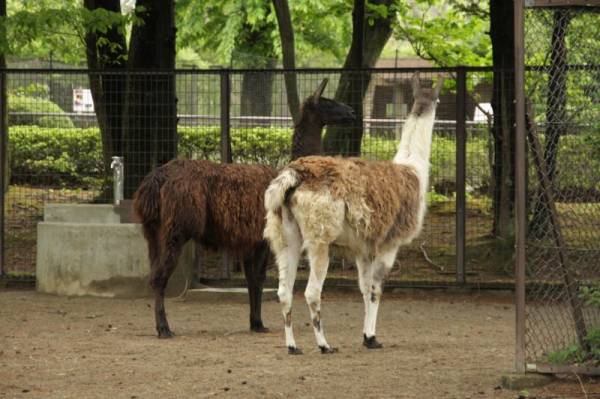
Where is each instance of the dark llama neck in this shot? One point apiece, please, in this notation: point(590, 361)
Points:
point(306, 139)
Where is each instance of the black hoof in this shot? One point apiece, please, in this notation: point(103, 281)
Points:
point(294, 351)
point(371, 343)
point(327, 350)
point(259, 328)
point(165, 332)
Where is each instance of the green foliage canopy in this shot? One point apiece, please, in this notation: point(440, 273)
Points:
point(213, 29)
point(449, 33)
point(55, 27)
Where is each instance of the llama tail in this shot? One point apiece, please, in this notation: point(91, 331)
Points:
point(275, 200)
point(146, 200)
point(279, 189)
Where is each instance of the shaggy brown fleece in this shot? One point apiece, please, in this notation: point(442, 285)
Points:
point(380, 213)
point(218, 205)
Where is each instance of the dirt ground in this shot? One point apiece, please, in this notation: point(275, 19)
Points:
point(437, 345)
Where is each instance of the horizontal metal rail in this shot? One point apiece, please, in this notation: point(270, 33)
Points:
point(190, 71)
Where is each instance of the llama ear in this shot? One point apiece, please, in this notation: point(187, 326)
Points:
point(416, 85)
point(319, 92)
point(438, 86)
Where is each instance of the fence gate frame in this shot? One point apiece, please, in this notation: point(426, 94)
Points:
point(523, 131)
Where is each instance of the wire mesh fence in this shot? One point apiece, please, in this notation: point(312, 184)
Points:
point(64, 126)
point(562, 94)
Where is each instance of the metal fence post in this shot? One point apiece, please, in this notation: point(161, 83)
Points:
point(461, 143)
point(225, 116)
point(226, 259)
point(3, 163)
point(520, 185)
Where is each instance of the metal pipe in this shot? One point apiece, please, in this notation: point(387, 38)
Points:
point(226, 157)
point(3, 164)
point(520, 184)
point(225, 117)
point(461, 142)
point(117, 167)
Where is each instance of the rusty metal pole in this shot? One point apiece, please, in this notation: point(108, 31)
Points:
point(3, 163)
point(461, 142)
point(225, 116)
point(3, 140)
point(226, 157)
point(520, 184)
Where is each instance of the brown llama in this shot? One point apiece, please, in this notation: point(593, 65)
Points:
point(219, 206)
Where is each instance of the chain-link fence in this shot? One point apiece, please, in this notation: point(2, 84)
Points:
point(64, 127)
point(562, 245)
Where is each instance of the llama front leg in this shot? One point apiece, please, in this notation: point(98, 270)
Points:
point(318, 256)
point(380, 268)
point(255, 269)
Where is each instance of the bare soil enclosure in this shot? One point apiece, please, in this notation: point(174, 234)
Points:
point(436, 345)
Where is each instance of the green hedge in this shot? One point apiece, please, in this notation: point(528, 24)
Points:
point(73, 157)
point(254, 145)
point(55, 156)
point(31, 105)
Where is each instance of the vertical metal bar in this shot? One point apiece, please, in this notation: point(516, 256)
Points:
point(225, 116)
point(520, 178)
point(359, 14)
point(461, 160)
point(226, 259)
point(3, 138)
point(3, 163)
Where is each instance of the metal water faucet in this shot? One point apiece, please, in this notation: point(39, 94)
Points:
point(117, 167)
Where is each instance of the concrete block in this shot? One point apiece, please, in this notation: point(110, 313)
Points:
point(520, 381)
point(100, 259)
point(81, 213)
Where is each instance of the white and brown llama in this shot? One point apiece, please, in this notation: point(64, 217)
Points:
point(368, 208)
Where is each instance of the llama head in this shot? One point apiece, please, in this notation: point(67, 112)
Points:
point(322, 111)
point(425, 99)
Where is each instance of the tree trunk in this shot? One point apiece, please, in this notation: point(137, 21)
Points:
point(364, 53)
point(556, 103)
point(286, 33)
point(108, 89)
point(257, 94)
point(503, 132)
point(256, 49)
point(150, 112)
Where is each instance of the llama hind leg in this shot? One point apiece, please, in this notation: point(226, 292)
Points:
point(365, 282)
point(170, 251)
point(287, 262)
point(380, 268)
point(318, 256)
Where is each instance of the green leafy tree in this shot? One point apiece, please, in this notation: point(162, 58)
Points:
point(245, 35)
point(237, 34)
point(468, 32)
point(288, 54)
point(55, 28)
point(106, 49)
point(503, 130)
point(372, 27)
point(150, 110)
point(447, 32)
